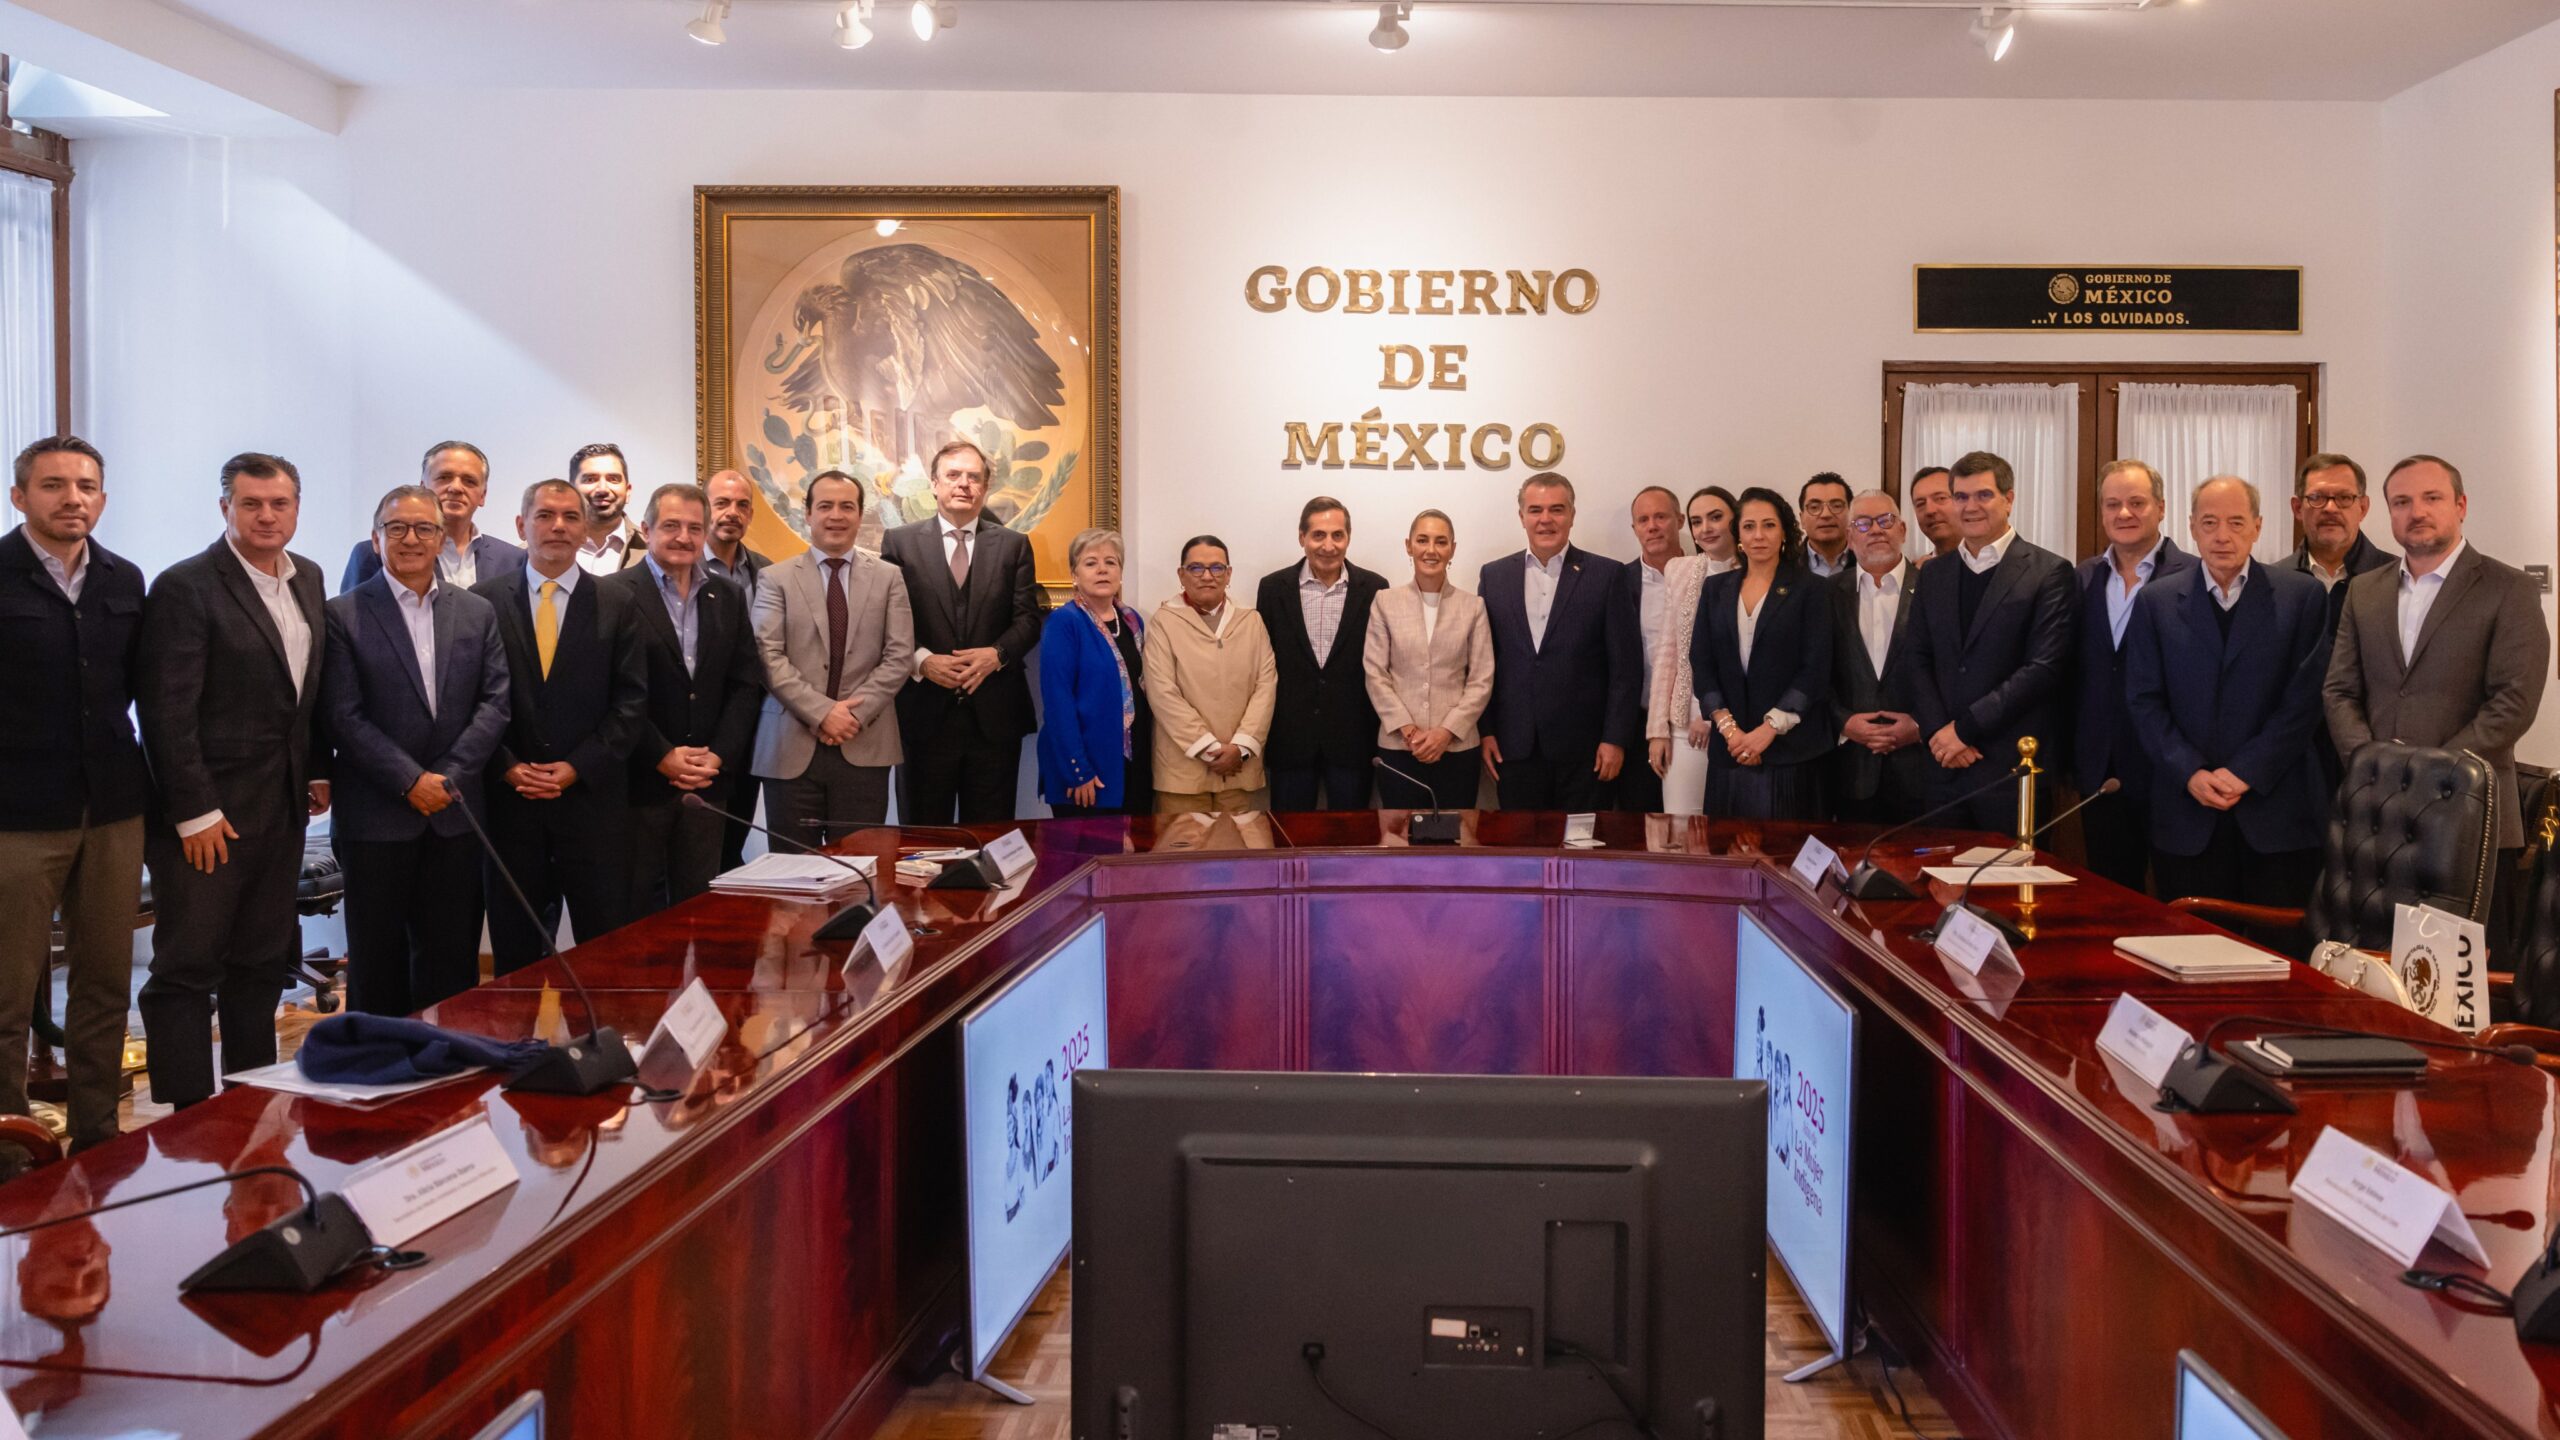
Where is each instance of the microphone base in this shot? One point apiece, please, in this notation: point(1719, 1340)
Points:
point(1440, 827)
point(2207, 1084)
point(589, 1064)
point(299, 1253)
point(975, 873)
point(847, 923)
point(1869, 883)
point(2537, 1301)
point(2008, 930)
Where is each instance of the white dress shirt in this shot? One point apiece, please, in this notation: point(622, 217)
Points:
point(951, 547)
point(2327, 577)
point(567, 580)
point(1879, 598)
point(275, 592)
point(2120, 596)
point(1652, 602)
point(1539, 579)
point(1320, 606)
point(2418, 595)
point(418, 612)
point(456, 565)
point(68, 580)
point(1746, 623)
point(1989, 557)
point(603, 557)
point(2227, 598)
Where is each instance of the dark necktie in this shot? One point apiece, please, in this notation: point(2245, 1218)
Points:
point(839, 620)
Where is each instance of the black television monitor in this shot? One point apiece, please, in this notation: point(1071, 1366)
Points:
point(1418, 1256)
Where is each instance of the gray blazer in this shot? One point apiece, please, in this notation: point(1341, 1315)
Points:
point(2474, 678)
point(1446, 683)
point(791, 632)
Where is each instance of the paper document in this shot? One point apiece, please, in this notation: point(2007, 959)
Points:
point(797, 876)
point(288, 1078)
point(1984, 854)
point(1997, 875)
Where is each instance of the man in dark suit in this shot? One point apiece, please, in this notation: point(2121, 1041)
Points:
point(1880, 772)
point(2131, 507)
point(978, 612)
point(2329, 507)
point(705, 686)
point(1933, 510)
point(1822, 507)
point(2223, 665)
point(1990, 648)
point(230, 680)
point(1566, 675)
point(603, 481)
point(2446, 648)
point(459, 475)
point(1323, 730)
point(413, 696)
point(733, 509)
point(72, 778)
point(578, 691)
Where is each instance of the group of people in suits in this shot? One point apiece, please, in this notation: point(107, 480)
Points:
point(577, 724)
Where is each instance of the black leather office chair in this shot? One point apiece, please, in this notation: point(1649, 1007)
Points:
point(2528, 991)
point(2411, 825)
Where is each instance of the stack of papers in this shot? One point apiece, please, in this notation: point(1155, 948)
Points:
point(2203, 957)
point(796, 877)
point(288, 1078)
point(1997, 875)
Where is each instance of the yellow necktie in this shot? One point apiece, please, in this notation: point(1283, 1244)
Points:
point(546, 626)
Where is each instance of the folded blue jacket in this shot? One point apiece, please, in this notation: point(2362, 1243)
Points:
point(358, 1049)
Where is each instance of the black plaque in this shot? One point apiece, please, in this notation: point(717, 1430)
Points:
point(2209, 299)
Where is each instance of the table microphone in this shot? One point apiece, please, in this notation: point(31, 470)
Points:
point(2207, 1083)
point(300, 1250)
point(1866, 882)
point(974, 871)
point(1434, 827)
point(845, 924)
point(2008, 931)
point(588, 1064)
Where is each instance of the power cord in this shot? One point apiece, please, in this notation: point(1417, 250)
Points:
point(1883, 1351)
point(1708, 1425)
point(1313, 1353)
point(1635, 1413)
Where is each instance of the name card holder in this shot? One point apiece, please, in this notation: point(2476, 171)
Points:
point(2388, 1205)
point(1974, 944)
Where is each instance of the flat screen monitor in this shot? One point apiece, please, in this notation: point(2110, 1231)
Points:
point(1018, 1049)
point(1793, 1032)
point(519, 1421)
point(2209, 1409)
point(1417, 1256)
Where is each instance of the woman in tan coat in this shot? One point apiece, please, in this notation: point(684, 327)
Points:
point(1429, 661)
point(1210, 678)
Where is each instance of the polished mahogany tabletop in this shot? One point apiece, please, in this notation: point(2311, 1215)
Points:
point(100, 1343)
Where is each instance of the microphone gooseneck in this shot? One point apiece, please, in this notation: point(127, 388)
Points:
point(541, 932)
point(1964, 894)
point(1380, 762)
point(310, 1197)
point(1935, 811)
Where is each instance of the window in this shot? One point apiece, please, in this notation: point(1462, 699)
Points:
point(35, 287)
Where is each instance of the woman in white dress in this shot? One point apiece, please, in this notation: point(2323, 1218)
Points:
point(1676, 736)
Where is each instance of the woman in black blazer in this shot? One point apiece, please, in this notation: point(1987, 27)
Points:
point(1761, 656)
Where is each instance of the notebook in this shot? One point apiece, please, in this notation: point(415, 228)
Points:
point(2203, 957)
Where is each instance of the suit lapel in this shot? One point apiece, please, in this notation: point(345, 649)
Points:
point(2195, 600)
point(235, 582)
point(441, 603)
point(2252, 617)
point(2004, 578)
point(2466, 573)
point(1905, 579)
point(1567, 582)
point(661, 625)
point(383, 613)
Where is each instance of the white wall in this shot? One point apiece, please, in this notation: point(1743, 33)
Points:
point(2468, 362)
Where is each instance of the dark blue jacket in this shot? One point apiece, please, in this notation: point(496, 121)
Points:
point(67, 747)
point(2009, 676)
point(2250, 706)
point(373, 706)
point(1080, 705)
point(1583, 686)
point(2102, 742)
point(1790, 666)
point(489, 555)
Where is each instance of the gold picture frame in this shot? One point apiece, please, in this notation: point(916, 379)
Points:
point(859, 327)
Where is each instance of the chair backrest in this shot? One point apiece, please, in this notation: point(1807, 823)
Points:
point(2536, 950)
point(2411, 826)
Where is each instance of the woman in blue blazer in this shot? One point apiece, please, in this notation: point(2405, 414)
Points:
point(1095, 728)
point(1760, 655)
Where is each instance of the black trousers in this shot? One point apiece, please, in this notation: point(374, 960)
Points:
point(829, 790)
point(573, 852)
point(1638, 789)
point(1995, 810)
point(1540, 781)
point(221, 944)
point(1895, 800)
point(2227, 869)
point(413, 920)
point(1323, 784)
point(675, 850)
point(1451, 778)
point(958, 774)
point(2117, 831)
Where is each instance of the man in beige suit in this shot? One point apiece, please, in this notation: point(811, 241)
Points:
point(2446, 648)
point(1211, 680)
point(838, 641)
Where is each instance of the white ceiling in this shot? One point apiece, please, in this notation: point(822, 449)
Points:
point(2177, 49)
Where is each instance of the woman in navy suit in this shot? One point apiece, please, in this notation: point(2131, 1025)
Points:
point(1095, 728)
point(1760, 655)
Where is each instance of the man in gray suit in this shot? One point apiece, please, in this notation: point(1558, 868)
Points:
point(2446, 648)
point(838, 642)
point(1879, 772)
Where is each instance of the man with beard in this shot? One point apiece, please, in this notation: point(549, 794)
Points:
point(603, 481)
point(2329, 506)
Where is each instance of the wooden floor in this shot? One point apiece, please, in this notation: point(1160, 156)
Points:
point(1846, 1402)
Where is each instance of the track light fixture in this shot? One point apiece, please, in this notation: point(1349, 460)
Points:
point(707, 29)
point(1995, 31)
point(927, 16)
point(1390, 34)
point(851, 31)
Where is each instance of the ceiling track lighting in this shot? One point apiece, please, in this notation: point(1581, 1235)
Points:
point(927, 16)
point(707, 29)
point(1390, 34)
point(852, 28)
point(1995, 31)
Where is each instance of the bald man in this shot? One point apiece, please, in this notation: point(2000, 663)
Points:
point(725, 554)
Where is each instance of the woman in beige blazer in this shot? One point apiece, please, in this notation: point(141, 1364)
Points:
point(1210, 678)
point(1676, 735)
point(1429, 660)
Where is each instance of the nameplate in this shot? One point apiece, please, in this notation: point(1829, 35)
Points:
point(2101, 299)
point(694, 1023)
point(1581, 832)
point(1012, 854)
point(1974, 944)
point(2391, 1206)
point(2143, 1039)
point(406, 1195)
point(2442, 961)
point(886, 939)
point(1815, 863)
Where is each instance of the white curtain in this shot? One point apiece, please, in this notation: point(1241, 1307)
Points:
point(2036, 428)
point(26, 310)
point(2191, 433)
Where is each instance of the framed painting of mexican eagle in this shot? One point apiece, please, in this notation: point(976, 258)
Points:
point(859, 328)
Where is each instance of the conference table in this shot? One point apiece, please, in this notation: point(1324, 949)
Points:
point(778, 1251)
